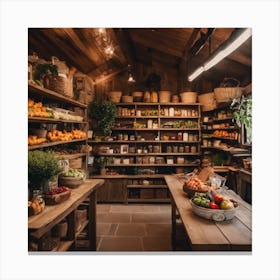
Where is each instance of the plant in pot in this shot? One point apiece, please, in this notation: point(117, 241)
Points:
point(42, 70)
point(101, 163)
point(242, 113)
point(104, 112)
point(42, 167)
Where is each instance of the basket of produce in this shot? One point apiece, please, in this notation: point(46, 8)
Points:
point(213, 206)
point(57, 195)
point(194, 185)
point(207, 101)
point(188, 97)
point(114, 96)
point(229, 89)
point(72, 178)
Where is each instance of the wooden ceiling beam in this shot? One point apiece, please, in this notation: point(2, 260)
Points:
point(109, 76)
point(190, 42)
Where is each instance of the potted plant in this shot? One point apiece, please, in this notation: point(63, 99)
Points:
point(101, 163)
point(42, 70)
point(104, 112)
point(42, 167)
point(242, 113)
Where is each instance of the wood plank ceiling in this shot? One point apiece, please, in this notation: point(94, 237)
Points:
point(80, 47)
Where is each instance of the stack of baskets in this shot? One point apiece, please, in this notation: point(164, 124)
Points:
point(114, 96)
point(164, 96)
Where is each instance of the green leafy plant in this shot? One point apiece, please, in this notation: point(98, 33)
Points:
point(42, 167)
point(102, 161)
point(42, 70)
point(105, 113)
point(242, 113)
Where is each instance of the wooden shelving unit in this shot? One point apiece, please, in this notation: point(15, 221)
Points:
point(49, 144)
point(164, 126)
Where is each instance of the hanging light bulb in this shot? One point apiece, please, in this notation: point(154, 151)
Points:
point(130, 78)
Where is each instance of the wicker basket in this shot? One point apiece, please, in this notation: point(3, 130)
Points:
point(164, 96)
point(57, 83)
point(137, 96)
point(75, 163)
point(114, 96)
point(207, 101)
point(127, 99)
point(71, 182)
point(188, 97)
point(218, 215)
point(225, 95)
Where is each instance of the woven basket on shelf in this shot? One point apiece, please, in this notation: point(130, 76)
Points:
point(164, 96)
point(127, 99)
point(227, 92)
point(188, 97)
point(207, 101)
point(57, 83)
point(114, 96)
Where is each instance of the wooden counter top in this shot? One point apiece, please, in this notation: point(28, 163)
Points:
point(207, 235)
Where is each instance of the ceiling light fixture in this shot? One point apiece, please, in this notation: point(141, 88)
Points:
point(224, 51)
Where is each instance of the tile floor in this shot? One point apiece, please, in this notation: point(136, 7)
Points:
point(133, 227)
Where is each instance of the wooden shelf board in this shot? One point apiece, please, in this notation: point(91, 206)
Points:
point(49, 144)
point(151, 165)
point(144, 141)
point(180, 117)
point(140, 200)
point(122, 176)
point(224, 128)
point(149, 154)
point(137, 117)
point(72, 156)
point(156, 129)
point(54, 95)
point(50, 120)
point(147, 186)
point(158, 103)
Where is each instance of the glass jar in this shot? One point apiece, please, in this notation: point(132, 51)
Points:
point(171, 112)
point(181, 149)
point(39, 196)
point(169, 149)
point(180, 136)
point(185, 136)
point(175, 149)
point(193, 149)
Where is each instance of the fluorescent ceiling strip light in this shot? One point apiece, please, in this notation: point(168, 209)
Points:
point(222, 54)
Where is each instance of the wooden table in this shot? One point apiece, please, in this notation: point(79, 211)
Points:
point(207, 235)
point(40, 224)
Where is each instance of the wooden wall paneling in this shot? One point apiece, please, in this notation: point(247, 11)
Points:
point(113, 190)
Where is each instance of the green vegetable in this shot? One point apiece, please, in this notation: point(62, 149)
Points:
point(196, 201)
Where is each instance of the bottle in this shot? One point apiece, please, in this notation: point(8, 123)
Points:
point(185, 136)
point(147, 97)
point(171, 112)
point(180, 136)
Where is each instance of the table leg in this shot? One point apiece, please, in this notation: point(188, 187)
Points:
point(173, 217)
point(92, 221)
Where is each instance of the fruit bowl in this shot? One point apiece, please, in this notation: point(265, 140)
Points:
point(71, 182)
point(217, 215)
point(190, 192)
point(57, 195)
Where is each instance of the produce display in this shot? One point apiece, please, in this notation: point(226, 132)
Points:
point(197, 185)
point(57, 135)
point(35, 140)
point(36, 109)
point(223, 133)
point(35, 207)
point(57, 195)
point(181, 124)
point(214, 200)
point(76, 173)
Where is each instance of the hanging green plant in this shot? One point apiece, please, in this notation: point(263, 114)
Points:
point(242, 113)
point(42, 70)
point(104, 112)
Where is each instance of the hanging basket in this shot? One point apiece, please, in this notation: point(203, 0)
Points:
point(227, 92)
point(57, 83)
point(208, 101)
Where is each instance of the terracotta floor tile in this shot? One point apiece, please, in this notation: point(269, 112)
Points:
point(158, 229)
point(113, 229)
point(157, 243)
point(113, 217)
point(134, 208)
point(131, 230)
point(120, 244)
point(165, 208)
point(102, 228)
point(163, 217)
point(103, 207)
